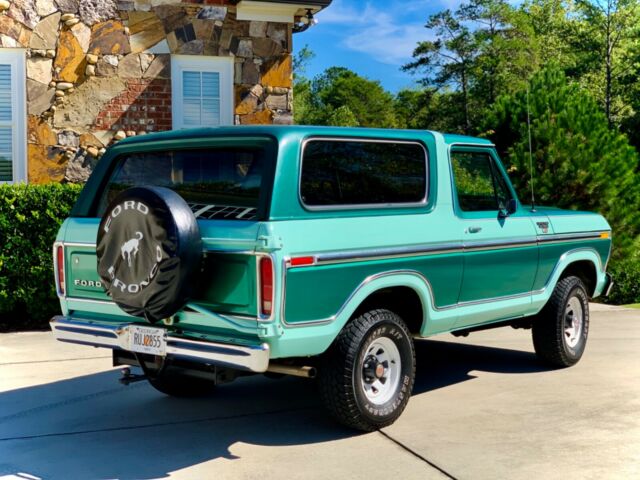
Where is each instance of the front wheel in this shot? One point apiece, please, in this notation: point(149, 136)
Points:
point(561, 329)
point(368, 373)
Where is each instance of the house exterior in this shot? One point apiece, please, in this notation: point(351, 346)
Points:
point(77, 75)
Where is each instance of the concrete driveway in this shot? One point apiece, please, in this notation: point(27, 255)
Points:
point(482, 408)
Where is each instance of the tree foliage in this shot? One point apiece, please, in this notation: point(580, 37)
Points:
point(578, 59)
point(342, 97)
point(579, 162)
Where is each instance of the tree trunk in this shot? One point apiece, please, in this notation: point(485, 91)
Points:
point(465, 100)
point(608, 60)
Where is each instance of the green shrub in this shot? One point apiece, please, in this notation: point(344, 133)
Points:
point(30, 216)
point(626, 278)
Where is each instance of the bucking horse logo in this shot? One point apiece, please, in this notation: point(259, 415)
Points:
point(130, 248)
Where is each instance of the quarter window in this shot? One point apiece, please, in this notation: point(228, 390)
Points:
point(479, 184)
point(359, 173)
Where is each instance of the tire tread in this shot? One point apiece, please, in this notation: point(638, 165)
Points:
point(336, 380)
point(548, 332)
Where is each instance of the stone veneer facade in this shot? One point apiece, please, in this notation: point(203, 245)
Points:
point(99, 70)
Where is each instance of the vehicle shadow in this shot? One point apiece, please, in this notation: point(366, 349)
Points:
point(440, 363)
point(92, 427)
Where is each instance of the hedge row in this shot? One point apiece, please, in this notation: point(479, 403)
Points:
point(626, 280)
point(30, 216)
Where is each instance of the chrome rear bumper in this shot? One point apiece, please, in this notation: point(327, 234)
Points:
point(246, 356)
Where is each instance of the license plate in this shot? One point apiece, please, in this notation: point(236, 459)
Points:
point(147, 340)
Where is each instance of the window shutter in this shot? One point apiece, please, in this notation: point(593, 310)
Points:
point(6, 126)
point(201, 99)
point(202, 92)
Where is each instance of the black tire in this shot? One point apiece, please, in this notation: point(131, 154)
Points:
point(342, 376)
point(552, 341)
point(180, 385)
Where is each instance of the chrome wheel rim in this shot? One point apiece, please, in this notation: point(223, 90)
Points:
point(381, 368)
point(573, 322)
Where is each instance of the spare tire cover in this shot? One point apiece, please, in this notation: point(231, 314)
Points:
point(148, 248)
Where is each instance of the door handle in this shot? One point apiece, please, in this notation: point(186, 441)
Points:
point(474, 229)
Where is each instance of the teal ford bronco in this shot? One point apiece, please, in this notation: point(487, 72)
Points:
point(203, 255)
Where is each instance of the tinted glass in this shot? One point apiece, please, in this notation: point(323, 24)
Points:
point(362, 173)
point(479, 184)
point(223, 184)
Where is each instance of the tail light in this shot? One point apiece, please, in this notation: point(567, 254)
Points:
point(60, 268)
point(266, 285)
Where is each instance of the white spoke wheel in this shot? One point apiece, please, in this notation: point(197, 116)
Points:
point(560, 330)
point(367, 375)
point(380, 370)
point(573, 319)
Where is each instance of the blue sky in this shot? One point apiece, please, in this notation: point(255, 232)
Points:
point(374, 38)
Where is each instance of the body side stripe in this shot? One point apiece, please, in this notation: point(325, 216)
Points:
point(433, 306)
point(348, 256)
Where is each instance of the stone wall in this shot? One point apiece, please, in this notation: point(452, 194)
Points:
point(99, 70)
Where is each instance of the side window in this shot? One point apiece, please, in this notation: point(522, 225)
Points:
point(479, 184)
point(357, 173)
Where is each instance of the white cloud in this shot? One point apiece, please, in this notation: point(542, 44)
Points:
point(379, 32)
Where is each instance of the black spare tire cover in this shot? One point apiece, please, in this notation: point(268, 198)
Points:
point(148, 248)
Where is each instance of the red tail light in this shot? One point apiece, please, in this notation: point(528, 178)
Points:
point(266, 285)
point(60, 268)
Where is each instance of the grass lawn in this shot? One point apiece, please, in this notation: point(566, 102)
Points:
point(633, 305)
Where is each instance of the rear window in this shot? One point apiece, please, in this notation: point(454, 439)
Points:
point(216, 183)
point(354, 173)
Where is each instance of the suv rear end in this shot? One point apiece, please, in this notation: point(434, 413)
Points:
point(225, 176)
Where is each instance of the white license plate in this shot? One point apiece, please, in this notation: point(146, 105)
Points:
point(147, 340)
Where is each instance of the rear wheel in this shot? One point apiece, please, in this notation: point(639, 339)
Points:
point(367, 374)
point(181, 385)
point(561, 329)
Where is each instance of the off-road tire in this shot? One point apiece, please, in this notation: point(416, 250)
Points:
point(178, 385)
point(549, 338)
point(341, 377)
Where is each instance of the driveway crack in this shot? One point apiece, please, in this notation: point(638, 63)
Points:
point(417, 455)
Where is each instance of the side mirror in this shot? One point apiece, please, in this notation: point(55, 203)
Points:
point(509, 209)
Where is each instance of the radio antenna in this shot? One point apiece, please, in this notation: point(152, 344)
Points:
point(533, 198)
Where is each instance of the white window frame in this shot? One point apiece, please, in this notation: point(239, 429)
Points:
point(16, 58)
point(221, 65)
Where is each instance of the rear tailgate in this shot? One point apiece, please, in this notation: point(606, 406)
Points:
point(227, 285)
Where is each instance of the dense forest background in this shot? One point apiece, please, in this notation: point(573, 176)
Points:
point(575, 64)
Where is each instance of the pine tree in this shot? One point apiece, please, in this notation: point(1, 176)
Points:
point(579, 161)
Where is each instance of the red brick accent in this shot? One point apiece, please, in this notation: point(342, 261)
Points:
point(144, 106)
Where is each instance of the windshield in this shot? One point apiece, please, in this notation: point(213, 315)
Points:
point(217, 183)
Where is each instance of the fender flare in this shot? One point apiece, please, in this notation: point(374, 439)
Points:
point(541, 296)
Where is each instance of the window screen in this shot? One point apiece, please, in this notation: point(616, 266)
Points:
point(343, 173)
point(479, 184)
point(216, 183)
point(6, 128)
